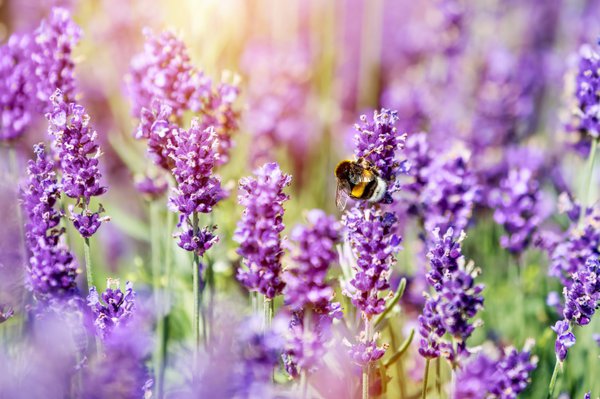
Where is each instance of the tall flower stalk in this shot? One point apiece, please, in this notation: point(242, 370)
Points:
point(259, 232)
point(76, 147)
point(194, 153)
point(371, 235)
point(52, 267)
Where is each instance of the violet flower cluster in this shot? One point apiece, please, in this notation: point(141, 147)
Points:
point(195, 155)
point(259, 230)
point(52, 267)
point(504, 378)
point(579, 243)
point(32, 66)
point(163, 85)
point(455, 301)
point(307, 292)
point(279, 95)
point(113, 308)
point(75, 143)
point(582, 298)
point(517, 209)
point(312, 255)
point(378, 141)
point(450, 194)
point(370, 233)
point(584, 124)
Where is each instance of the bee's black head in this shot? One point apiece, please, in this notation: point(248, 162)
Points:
point(344, 169)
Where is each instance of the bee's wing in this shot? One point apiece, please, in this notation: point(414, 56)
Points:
point(341, 198)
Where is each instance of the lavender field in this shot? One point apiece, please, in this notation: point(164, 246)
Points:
point(299, 199)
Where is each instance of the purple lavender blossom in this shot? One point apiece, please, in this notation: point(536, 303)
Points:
point(456, 300)
point(371, 237)
point(578, 244)
point(163, 84)
point(378, 141)
point(517, 209)
point(366, 351)
point(76, 147)
point(120, 372)
point(115, 309)
point(450, 194)
point(32, 67)
point(52, 267)
point(306, 340)
point(503, 378)
point(583, 295)
point(307, 293)
point(584, 125)
point(194, 154)
point(279, 97)
point(564, 338)
point(52, 58)
point(258, 231)
point(306, 285)
point(6, 312)
point(153, 187)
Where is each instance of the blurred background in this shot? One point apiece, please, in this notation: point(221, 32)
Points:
point(491, 76)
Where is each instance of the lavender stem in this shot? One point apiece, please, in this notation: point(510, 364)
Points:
point(553, 379)
point(88, 262)
point(365, 372)
point(196, 288)
point(425, 378)
point(159, 354)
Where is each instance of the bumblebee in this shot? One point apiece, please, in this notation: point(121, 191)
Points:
point(359, 180)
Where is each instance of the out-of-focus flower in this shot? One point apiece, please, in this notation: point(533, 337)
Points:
point(583, 295)
point(306, 340)
point(194, 154)
point(378, 141)
point(503, 378)
point(517, 209)
point(307, 293)
point(115, 309)
point(32, 67)
point(163, 84)
point(450, 194)
point(373, 243)
point(259, 230)
point(279, 96)
point(76, 147)
point(52, 267)
point(314, 251)
point(366, 350)
point(153, 187)
point(456, 300)
point(584, 125)
point(120, 371)
point(564, 339)
point(6, 312)
point(578, 244)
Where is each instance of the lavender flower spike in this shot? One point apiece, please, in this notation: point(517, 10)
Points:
point(306, 285)
point(194, 154)
point(258, 231)
point(517, 209)
point(75, 143)
point(378, 140)
point(52, 267)
point(116, 307)
point(584, 125)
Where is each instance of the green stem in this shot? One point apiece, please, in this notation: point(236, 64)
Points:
point(88, 262)
point(438, 377)
point(588, 181)
point(197, 299)
point(425, 378)
point(401, 350)
point(553, 379)
point(159, 354)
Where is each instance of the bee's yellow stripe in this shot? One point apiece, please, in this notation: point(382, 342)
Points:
point(358, 190)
